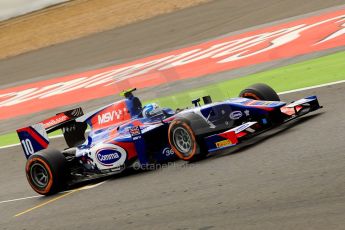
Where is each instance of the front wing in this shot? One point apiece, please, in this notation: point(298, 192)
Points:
point(247, 130)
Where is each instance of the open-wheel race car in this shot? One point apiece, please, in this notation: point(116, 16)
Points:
point(125, 134)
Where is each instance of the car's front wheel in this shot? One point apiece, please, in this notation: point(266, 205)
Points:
point(260, 91)
point(184, 142)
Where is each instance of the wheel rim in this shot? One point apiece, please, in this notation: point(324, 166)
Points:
point(39, 175)
point(182, 140)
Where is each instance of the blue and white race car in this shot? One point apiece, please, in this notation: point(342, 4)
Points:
point(125, 134)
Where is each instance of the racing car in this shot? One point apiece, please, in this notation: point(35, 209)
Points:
point(126, 134)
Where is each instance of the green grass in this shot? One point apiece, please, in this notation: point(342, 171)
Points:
point(12, 138)
point(9, 139)
point(308, 73)
point(312, 72)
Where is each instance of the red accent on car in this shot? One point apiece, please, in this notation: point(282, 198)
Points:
point(241, 134)
point(35, 136)
point(230, 135)
point(59, 118)
point(129, 147)
point(290, 111)
point(112, 115)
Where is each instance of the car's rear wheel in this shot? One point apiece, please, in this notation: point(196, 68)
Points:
point(260, 92)
point(46, 171)
point(184, 142)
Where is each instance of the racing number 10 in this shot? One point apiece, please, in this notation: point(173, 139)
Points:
point(28, 148)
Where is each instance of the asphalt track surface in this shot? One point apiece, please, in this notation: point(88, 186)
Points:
point(287, 180)
point(292, 178)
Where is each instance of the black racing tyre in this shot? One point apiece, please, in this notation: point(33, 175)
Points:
point(260, 92)
point(183, 141)
point(46, 171)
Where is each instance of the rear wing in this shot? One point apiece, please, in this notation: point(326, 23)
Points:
point(35, 137)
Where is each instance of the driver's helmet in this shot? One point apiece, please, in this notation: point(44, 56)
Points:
point(148, 110)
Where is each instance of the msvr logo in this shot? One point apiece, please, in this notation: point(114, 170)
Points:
point(106, 117)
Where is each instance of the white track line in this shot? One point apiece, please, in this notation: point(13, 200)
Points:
point(312, 87)
point(31, 197)
point(10, 146)
point(52, 137)
point(281, 93)
point(18, 199)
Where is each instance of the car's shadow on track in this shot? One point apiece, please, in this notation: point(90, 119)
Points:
point(124, 174)
point(260, 139)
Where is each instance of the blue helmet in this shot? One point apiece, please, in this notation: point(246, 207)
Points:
point(149, 109)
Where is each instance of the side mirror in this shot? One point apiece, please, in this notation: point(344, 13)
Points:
point(196, 102)
point(207, 100)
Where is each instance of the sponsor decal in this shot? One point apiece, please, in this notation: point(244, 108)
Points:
point(55, 120)
point(108, 156)
point(223, 143)
point(135, 131)
point(243, 127)
point(271, 103)
point(246, 112)
point(109, 115)
point(168, 152)
point(311, 34)
point(240, 100)
point(235, 115)
point(106, 117)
